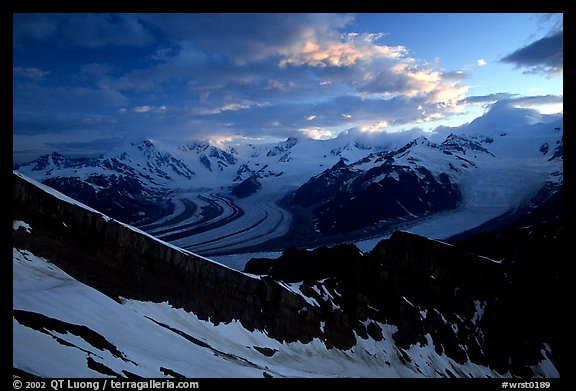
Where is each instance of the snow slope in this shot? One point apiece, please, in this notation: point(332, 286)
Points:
point(152, 336)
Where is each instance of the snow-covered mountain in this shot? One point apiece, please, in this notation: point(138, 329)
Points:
point(413, 181)
point(96, 297)
point(256, 197)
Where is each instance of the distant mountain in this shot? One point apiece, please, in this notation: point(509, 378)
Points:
point(135, 182)
point(210, 199)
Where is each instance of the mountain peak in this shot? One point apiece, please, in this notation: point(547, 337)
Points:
point(283, 147)
point(455, 143)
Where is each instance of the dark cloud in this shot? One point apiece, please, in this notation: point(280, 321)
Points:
point(34, 123)
point(29, 73)
point(488, 98)
point(94, 147)
point(246, 38)
point(40, 98)
point(385, 139)
point(545, 55)
point(95, 70)
point(455, 75)
point(86, 30)
point(388, 81)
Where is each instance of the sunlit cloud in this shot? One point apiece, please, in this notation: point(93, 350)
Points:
point(374, 127)
point(545, 104)
point(429, 117)
point(350, 49)
point(317, 133)
point(412, 81)
point(220, 140)
point(223, 108)
point(551, 108)
point(449, 97)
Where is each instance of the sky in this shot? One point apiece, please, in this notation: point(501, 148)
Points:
point(85, 83)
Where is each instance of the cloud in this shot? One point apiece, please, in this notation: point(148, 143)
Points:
point(219, 107)
point(506, 115)
point(148, 109)
point(35, 97)
point(86, 30)
point(29, 73)
point(457, 75)
point(95, 70)
point(347, 51)
point(378, 126)
point(225, 68)
point(545, 55)
point(534, 101)
point(490, 98)
point(481, 62)
point(38, 123)
point(544, 103)
point(247, 38)
point(210, 76)
point(317, 133)
point(384, 139)
point(411, 80)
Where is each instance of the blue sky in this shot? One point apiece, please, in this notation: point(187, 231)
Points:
point(84, 83)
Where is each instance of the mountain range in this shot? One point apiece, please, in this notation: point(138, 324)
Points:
point(261, 197)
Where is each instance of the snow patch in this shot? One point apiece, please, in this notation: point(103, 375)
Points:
point(17, 224)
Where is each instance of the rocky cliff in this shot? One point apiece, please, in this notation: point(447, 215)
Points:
point(504, 314)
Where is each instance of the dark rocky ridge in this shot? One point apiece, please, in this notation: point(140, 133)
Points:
point(132, 201)
point(427, 287)
point(122, 262)
point(247, 187)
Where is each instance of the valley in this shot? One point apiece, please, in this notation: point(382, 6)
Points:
point(307, 193)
